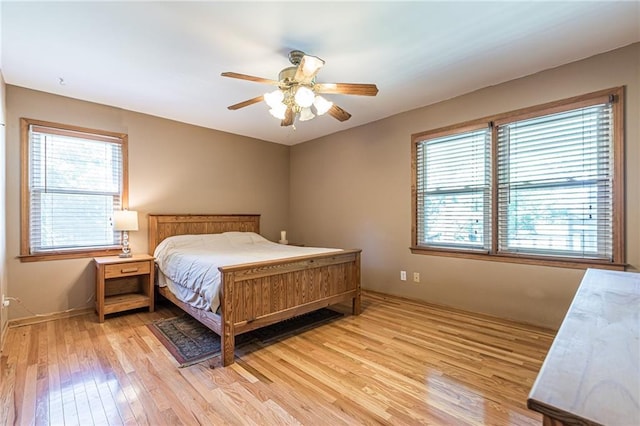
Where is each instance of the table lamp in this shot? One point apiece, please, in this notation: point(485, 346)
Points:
point(125, 221)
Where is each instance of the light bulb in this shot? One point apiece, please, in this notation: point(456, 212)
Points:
point(306, 114)
point(322, 105)
point(304, 97)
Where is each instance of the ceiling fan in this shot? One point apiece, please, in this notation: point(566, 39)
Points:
point(298, 91)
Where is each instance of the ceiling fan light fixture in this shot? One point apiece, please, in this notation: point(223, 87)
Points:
point(322, 105)
point(306, 114)
point(304, 97)
point(296, 96)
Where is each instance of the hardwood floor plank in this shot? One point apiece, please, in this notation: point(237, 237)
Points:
point(8, 410)
point(56, 412)
point(22, 377)
point(400, 362)
point(28, 412)
point(42, 385)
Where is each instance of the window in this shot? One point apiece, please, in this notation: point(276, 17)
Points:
point(540, 185)
point(72, 181)
point(454, 184)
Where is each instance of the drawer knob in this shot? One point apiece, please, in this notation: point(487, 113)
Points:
point(128, 270)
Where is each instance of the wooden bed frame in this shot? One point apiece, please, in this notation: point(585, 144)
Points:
point(254, 295)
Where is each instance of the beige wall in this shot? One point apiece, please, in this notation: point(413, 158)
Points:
point(173, 168)
point(353, 190)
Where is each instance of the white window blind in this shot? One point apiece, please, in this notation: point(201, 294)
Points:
point(75, 184)
point(453, 191)
point(555, 177)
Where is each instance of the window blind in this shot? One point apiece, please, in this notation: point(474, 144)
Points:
point(75, 184)
point(453, 190)
point(555, 184)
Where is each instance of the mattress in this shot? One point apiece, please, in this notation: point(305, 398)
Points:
point(188, 264)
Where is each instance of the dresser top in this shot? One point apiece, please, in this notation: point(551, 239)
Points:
point(592, 371)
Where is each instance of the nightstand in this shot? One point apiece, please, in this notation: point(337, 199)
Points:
point(123, 283)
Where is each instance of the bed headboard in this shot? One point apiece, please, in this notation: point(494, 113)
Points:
point(162, 226)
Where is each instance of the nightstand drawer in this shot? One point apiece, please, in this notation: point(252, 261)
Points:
point(126, 269)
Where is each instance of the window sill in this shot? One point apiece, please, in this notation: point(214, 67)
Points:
point(69, 254)
point(560, 262)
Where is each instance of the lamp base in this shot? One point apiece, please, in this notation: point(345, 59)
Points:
point(126, 250)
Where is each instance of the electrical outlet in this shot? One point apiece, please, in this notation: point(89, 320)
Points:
point(416, 277)
point(403, 275)
point(5, 302)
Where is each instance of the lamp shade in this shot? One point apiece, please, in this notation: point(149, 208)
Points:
point(304, 97)
point(322, 105)
point(306, 114)
point(125, 220)
point(275, 98)
point(279, 111)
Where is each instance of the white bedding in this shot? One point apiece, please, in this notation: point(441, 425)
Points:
point(189, 264)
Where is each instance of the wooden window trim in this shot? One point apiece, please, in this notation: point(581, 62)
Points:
point(25, 210)
point(618, 221)
point(560, 262)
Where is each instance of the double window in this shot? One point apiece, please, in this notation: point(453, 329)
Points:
point(540, 185)
point(72, 181)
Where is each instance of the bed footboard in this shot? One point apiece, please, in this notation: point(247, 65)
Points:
point(258, 294)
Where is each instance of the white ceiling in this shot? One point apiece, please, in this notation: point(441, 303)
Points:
point(165, 58)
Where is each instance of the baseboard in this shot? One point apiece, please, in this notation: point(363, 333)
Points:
point(48, 317)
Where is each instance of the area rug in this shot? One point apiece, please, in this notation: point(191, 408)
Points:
point(191, 342)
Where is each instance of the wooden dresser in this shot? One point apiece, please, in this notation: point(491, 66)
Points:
point(591, 375)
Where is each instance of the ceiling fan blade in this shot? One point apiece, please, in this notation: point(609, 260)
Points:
point(288, 118)
point(308, 68)
point(338, 113)
point(246, 103)
point(250, 78)
point(347, 88)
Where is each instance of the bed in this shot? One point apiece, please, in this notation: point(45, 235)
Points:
point(257, 294)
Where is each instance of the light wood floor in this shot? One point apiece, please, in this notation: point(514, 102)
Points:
point(400, 362)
